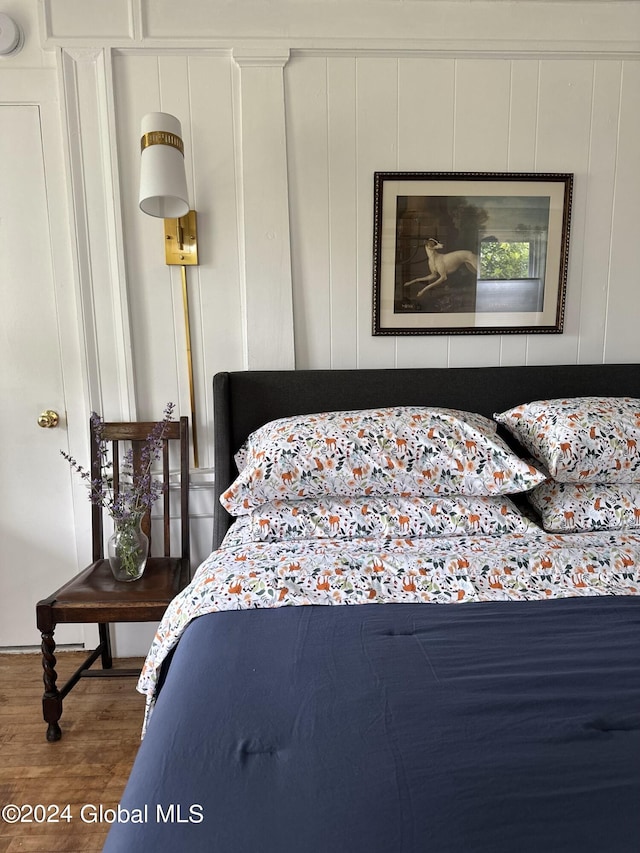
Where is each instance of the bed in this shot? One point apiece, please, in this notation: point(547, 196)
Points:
point(480, 692)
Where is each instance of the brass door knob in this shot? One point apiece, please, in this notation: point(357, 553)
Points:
point(48, 419)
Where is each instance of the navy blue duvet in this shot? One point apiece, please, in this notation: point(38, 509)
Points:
point(494, 727)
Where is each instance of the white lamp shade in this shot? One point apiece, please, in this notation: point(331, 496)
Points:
point(163, 183)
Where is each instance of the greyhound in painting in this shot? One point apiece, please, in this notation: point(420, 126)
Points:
point(442, 265)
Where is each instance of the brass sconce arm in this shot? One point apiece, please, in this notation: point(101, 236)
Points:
point(181, 249)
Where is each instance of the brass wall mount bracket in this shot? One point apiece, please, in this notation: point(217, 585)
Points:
point(181, 240)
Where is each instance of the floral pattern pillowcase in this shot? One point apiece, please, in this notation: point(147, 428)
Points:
point(407, 451)
point(576, 507)
point(581, 439)
point(381, 517)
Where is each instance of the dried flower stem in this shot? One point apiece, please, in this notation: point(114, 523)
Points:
point(137, 489)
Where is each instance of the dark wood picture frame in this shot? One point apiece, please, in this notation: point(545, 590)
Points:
point(470, 252)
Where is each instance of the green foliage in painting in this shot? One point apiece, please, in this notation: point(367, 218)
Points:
point(508, 260)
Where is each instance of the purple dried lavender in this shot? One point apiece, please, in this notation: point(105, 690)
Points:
point(139, 490)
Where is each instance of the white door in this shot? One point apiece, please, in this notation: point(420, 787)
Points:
point(37, 539)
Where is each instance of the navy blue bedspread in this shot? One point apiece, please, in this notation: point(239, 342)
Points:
point(497, 727)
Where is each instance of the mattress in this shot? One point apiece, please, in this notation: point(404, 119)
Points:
point(507, 718)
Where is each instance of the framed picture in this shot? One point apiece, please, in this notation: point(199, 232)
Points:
point(470, 252)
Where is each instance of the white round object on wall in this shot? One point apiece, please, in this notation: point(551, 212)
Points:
point(11, 36)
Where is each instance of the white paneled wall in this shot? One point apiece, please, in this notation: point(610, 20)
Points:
point(472, 114)
point(288, 107)
point(281, 151)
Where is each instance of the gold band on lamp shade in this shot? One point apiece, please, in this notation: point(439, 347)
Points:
point(161, 137)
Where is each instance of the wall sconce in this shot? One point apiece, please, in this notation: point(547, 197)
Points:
point(163, 193)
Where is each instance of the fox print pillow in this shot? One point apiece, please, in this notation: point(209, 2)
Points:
point(581, 439)
point(406, 451)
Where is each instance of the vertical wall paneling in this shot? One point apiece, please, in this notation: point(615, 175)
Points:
point(265, 210)
point(86, 79)
point(481, 143)
point(622, 341)
point(174, 85)
point(342, 156)
point(426, 103)
point(599, 200)
point(521, 157)
point(483, 92)
point(154, 324)
point(218, 330)
point(437, 114)
point(523, 115)
point(177, 84)
point(307, 123)
point(564, 123)
point(377, 146)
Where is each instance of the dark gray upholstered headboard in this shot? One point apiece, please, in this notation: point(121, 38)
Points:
point(244, 400)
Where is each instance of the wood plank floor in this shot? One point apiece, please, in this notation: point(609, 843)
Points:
point(101, 725)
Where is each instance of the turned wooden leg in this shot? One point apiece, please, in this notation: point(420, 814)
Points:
point(51, 701)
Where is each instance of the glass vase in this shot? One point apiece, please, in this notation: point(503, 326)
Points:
point(128, 549)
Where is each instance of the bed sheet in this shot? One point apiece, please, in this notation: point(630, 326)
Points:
point(484, 727)
point(440, 570)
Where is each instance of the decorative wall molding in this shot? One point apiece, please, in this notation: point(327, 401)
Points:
point(83, 54)
point(264, 209)
point(499, 27)
point(264, 56)
point(85, 75)
point(71, 21)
